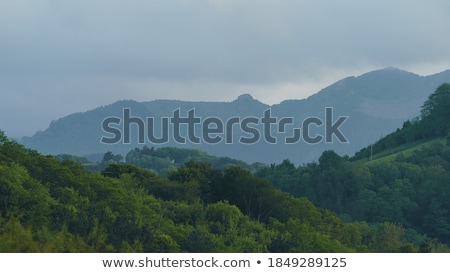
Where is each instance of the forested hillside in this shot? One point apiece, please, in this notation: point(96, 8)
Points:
point(48, 205)
point(338, 204)
point(410, 189)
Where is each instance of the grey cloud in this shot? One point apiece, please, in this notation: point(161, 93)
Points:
point(201, 48)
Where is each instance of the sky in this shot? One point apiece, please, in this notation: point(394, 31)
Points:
point(59, 57)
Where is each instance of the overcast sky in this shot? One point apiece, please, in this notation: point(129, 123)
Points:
point(59, 57)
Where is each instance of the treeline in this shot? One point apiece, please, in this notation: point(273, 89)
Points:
point(412, 191)
point(162, 160)
point(433, 122)
point(48, 205)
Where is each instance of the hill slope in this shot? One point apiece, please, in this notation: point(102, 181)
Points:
point(405, 183)
point(376, 103)
point(57, 206)
point(396, 206)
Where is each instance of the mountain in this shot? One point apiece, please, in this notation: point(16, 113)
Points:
point(363, 109)
point(52, 206)
point(402, 178)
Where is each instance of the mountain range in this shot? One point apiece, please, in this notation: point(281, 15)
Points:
point(370, 106)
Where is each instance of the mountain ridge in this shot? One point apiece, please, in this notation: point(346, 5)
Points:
point(376, 102)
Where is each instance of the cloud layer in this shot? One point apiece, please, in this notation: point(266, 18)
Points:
point(59, 57)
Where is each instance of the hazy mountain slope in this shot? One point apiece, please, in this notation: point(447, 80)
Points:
point(376, 103)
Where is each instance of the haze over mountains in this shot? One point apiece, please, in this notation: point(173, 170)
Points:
point(376, 103)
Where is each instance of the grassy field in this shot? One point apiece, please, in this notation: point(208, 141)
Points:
point(405, 150)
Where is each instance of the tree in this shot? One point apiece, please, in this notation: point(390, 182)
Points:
point(110, 156)
point(436, 110)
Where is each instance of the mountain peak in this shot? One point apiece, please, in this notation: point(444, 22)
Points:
point(245, 98)
point(391, 68)
point(389, 71)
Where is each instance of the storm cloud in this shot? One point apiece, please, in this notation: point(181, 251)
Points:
point(60, 57)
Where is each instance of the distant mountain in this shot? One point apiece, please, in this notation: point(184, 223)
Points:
point(376, 103)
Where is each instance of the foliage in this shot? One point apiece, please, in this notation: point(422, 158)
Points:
point(411, 191)
point(434, 122)
point(55, 205)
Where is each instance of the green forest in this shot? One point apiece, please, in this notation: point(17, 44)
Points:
point(393, 196)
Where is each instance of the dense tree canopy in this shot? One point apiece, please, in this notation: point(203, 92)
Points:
point(49, 205)
point(183, 200)
point(436, 111)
